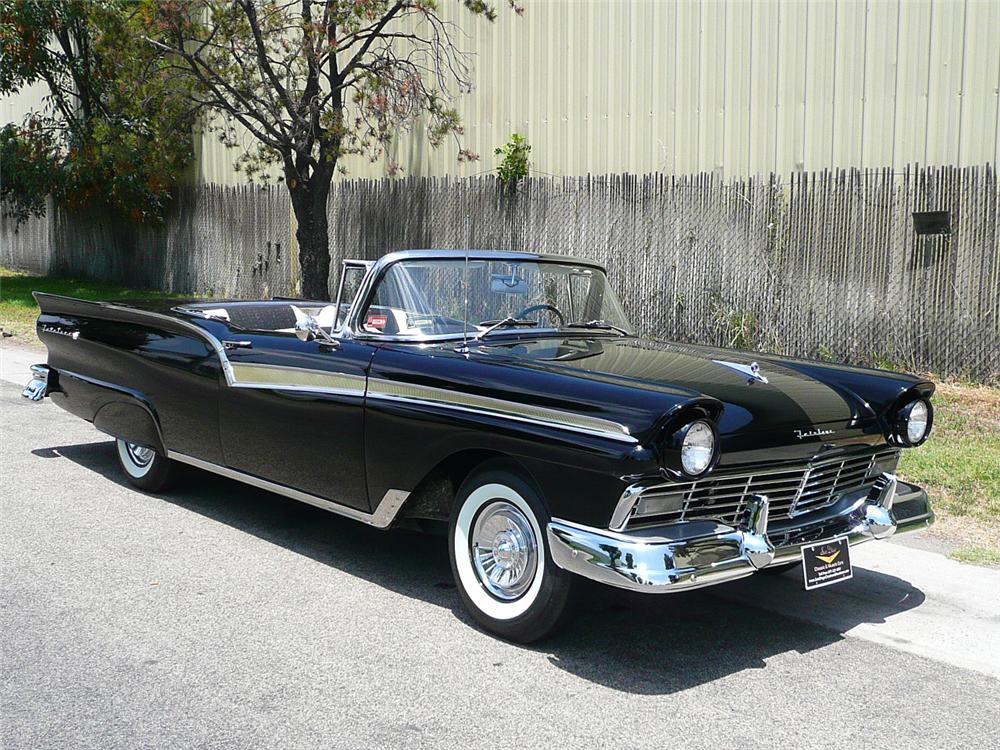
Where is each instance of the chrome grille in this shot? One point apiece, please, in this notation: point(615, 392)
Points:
point(792, 490)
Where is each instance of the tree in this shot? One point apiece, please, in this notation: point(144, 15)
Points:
point(115, 131)
point(313, 81)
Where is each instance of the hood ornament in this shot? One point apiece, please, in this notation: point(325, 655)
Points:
point(752, 371)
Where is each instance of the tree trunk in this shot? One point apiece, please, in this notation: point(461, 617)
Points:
point(313, 235)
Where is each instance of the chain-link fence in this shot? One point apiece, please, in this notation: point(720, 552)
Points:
point(826, 265)
point(822, 265)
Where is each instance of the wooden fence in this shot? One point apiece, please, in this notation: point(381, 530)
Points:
point(819, 265)
point(216, 240)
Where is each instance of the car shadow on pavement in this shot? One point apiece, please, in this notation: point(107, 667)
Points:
point(660, 644)
point(632, 642)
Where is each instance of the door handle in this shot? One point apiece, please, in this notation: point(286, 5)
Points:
point(237, 344)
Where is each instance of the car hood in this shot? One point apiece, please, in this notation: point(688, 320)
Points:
point(792, 398)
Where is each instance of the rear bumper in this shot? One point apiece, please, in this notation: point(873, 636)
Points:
point(38, 387)
point(684, 556)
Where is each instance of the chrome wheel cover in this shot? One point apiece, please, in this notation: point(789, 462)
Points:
point(139, 454)
point(504, 550)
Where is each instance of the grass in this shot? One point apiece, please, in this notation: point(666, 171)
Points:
point(959, 466)
point(977, 555)
point(18, 309)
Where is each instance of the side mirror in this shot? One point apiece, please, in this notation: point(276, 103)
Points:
point(306, 328)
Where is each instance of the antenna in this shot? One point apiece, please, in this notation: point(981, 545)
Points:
point(465, 315)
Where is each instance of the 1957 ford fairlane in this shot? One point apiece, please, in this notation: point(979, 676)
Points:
point(505, 395)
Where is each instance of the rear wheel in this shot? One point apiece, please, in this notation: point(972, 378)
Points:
point(144, 467)
point(500, 557)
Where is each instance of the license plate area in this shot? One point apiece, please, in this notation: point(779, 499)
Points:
point(824, 563)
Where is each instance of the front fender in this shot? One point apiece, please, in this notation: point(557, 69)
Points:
point(580, 476)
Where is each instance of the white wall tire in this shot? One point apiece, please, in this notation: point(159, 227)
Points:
point(518, 593)
point(143, 467)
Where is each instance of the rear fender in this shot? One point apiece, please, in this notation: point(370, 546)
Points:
point(131, 421)
point(114, 410)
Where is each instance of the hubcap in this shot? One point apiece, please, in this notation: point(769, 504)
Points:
point(504, 551)
point(140, 455)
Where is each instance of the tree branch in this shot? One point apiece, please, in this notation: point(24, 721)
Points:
point(263, 61)
point(383, 22)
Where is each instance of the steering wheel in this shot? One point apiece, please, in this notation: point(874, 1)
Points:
point(550, 308)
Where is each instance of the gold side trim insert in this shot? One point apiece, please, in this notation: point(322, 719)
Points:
point(413, 393)
point(247, 375)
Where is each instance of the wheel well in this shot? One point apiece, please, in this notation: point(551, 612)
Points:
point(129, 419)
point(433, 496)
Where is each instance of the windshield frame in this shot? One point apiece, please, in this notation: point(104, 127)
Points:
point(378, 271)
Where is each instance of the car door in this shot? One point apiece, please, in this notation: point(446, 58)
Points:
point(292, 413)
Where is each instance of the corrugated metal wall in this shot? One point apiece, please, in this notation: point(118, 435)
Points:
point(29, 99)
point(735, 88)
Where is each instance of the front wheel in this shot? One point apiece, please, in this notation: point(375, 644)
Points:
point(144, 467)
point(500, 558)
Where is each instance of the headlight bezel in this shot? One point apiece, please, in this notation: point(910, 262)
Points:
point(902, 422)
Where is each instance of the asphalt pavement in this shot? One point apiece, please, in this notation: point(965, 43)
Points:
point(220, 616)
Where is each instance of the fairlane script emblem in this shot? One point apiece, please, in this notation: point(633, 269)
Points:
point(752, 371)
point(802, 434)
point(60, 332)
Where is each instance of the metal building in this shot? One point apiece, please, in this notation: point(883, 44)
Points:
point(734, 87)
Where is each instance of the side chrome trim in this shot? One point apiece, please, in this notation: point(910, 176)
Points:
point(382, 518)
point(279, 377)
point(467, 402)
point(246, 375)
point(212, 341)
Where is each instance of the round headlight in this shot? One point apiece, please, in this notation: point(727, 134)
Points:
point(916, 421)
point(698, 448)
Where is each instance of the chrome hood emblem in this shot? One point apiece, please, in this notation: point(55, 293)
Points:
point(752, 371)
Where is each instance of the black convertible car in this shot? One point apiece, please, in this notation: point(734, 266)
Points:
point(505, 395)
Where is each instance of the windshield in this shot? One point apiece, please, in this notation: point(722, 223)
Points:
point(422, 298)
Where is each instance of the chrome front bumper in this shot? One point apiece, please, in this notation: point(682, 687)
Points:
point(682, 556)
